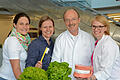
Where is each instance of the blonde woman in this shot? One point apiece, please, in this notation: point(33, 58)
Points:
point(106, 56)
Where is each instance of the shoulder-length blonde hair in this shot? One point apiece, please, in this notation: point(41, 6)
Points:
point(104, 21)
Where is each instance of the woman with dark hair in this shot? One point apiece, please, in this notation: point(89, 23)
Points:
point(15, 47)
point(38, 46)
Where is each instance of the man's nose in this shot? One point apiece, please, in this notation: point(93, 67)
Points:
point(70, 21)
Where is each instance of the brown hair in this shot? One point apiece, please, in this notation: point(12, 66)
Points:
point(43, 19)
point(104, 21)
point(19, 15)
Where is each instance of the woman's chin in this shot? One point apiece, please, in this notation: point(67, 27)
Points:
point(23, 34)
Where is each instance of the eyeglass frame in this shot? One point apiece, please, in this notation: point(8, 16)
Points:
point(73, 19)
point(98, 27)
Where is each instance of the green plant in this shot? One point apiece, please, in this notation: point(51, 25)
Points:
point(59, 71)
point(33, 73)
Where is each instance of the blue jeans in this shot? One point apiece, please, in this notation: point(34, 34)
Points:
point(2, 78)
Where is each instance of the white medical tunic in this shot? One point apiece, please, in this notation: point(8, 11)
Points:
point(106, 58)
point(12, 49)
point(73, 49)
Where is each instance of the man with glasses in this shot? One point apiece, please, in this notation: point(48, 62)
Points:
point(73, 46)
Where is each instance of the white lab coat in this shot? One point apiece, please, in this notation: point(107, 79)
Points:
point(73, 49)
point(105, 57)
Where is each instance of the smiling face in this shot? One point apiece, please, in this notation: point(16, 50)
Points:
point(72, 21)
point(98, 29)
point(47, 29)
point(22, 25)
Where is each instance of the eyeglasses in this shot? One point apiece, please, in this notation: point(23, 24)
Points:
point(73, 19)
point(98, 27)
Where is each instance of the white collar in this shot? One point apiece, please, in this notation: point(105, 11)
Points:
point(73, 37)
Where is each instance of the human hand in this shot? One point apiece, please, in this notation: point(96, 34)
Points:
point(81, 78)
point(78, 78)
point(39, 64)
point(92, 78)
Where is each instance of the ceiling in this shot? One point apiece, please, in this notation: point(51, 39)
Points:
point(38, 8)
point(114, 16)
point(112, 12)
point(32, 7)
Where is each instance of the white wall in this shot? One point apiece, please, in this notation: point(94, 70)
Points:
point(5, 27)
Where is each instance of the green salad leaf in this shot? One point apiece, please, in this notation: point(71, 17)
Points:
point(56, 71)
point(33, 73)
point(59, 71)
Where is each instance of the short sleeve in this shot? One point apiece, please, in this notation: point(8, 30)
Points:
point(13, 48)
